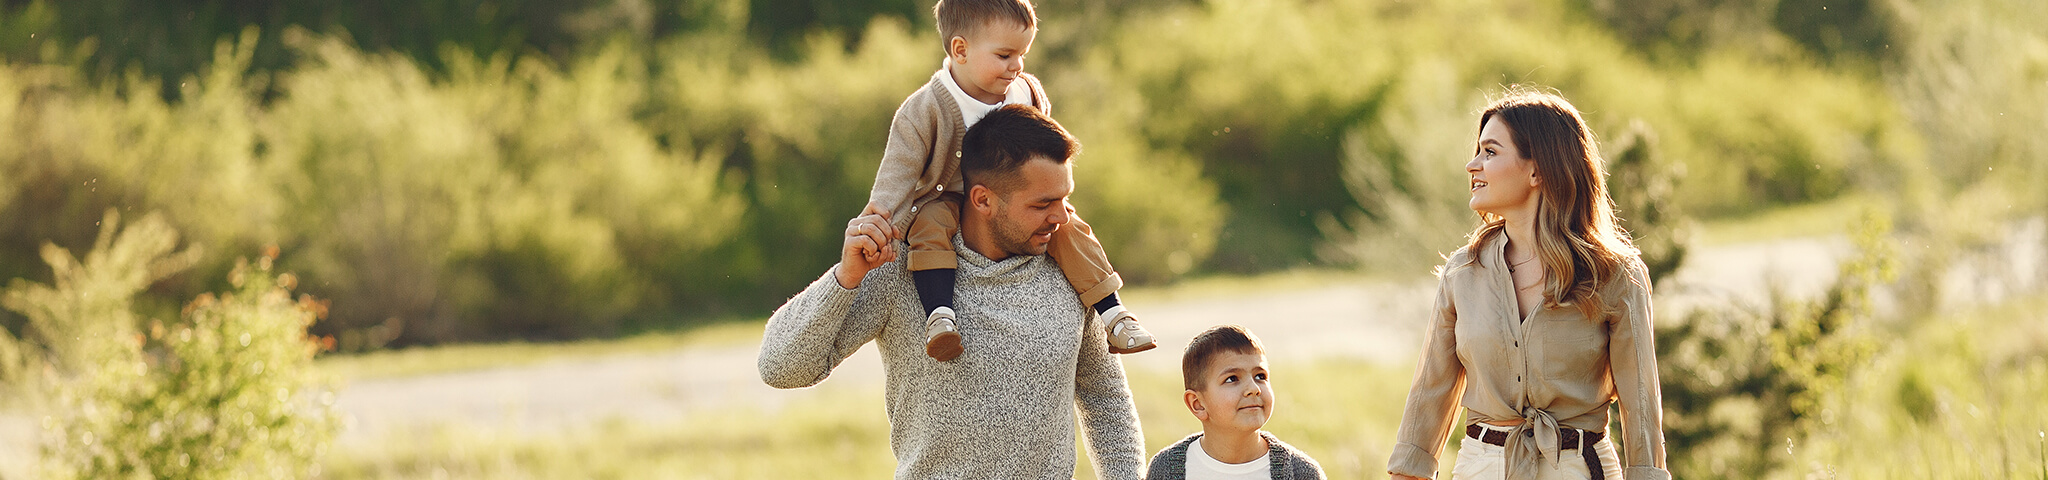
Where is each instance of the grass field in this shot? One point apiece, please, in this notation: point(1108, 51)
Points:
point(1960, 396)
point(1956, 397)
point(1343, 412)
point(408, 362)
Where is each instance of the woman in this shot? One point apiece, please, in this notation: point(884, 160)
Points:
point(1541, 320)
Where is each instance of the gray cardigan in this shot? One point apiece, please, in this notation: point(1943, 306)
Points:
point(1006, 408)
point(1288, 464)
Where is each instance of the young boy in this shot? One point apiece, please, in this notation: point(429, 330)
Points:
point(918, 188)
point(1224, 370)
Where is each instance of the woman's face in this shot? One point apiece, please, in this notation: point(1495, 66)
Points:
point(1502, 181)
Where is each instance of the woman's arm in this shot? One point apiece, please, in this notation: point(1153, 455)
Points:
point(1433, 398)
point(1632, 353)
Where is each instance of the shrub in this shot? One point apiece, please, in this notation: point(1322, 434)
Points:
point(81, 323)
point(226, 392)
point(1643, 184)
point(1740, 382)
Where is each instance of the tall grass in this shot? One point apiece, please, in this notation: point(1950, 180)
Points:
point(1960, 398)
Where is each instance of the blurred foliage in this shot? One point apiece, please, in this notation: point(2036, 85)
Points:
point(1642, 183)
point(599, 167)
point(170, 39)
point(1740, 381)
point(227, 392)
point(77, 324)
point(1961, 399)
point(1842, 32)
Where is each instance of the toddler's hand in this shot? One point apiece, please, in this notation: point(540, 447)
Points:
point(874, 209)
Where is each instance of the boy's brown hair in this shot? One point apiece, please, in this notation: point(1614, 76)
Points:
point(1222, 338)
point(962, 18)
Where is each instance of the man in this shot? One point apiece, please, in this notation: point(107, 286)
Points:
point(1005, 408)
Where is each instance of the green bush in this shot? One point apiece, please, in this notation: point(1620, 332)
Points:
point(226, 392)
point(1326, 125)
point(1742, 384)
point(1642, 184)
point(81, 323)
point(509, 200)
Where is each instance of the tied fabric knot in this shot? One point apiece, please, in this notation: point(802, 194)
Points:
point(1533, 444)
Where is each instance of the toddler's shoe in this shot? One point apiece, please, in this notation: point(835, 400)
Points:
point(942, 337)
point(1125, 335)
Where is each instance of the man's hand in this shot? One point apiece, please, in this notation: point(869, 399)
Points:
point(867, 246)
point(873, 209)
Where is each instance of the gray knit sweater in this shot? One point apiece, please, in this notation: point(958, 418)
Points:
point(1288, 464)
point(1006, 407)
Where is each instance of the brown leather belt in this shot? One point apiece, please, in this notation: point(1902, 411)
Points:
point(1567, 439)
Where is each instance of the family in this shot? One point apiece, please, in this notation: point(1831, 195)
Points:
point(996, 314)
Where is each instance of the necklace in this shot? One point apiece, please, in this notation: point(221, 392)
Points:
point(1512, 266)
point(1517, 281)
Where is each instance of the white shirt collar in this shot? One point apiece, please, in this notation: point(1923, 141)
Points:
point(972, 110)
point(1201, 466)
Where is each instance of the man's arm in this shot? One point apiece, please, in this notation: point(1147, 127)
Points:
point(831, 319)
point(1108, 415)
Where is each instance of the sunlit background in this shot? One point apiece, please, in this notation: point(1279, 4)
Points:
point(538, 238)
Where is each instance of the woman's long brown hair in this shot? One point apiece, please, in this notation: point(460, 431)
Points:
point(1577, 235)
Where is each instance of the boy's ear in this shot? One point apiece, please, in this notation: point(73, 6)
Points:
point(956, 47)
point(1195, 405)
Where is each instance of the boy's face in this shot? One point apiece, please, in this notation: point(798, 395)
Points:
point(991, 59)
point(1235, 395)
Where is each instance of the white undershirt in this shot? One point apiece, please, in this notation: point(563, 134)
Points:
point(1202, 467)
point(972, 110)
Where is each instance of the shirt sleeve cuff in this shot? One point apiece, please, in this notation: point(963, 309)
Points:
point(832, 277)
point(1646, 473)
point(1413, 461)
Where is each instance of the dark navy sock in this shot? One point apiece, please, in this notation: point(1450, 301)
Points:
point(934, 287)
point(1107, 303)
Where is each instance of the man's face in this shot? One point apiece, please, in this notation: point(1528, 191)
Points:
point(1026, 216)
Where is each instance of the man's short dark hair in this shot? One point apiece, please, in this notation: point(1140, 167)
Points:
point(1194, 362)
point(964, 18)
point(997, 146)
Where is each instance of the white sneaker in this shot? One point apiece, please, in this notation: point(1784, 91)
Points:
point(941, 336)
point(1125, 335)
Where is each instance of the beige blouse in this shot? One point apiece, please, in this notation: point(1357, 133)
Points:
point(1557, 368)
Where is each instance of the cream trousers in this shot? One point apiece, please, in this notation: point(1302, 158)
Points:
point(1479, 460)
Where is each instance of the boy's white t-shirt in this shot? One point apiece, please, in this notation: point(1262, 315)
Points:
point(972, 110)
point(1202, 467)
